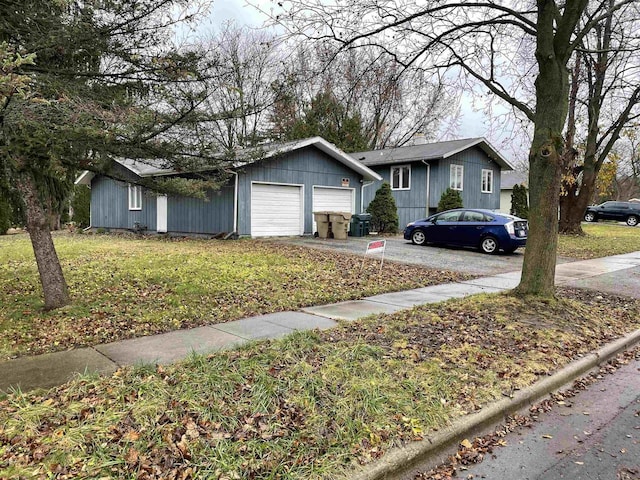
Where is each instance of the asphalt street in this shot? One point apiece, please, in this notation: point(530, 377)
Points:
point(592, 436)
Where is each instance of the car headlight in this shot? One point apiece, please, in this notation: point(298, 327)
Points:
point(511, 230)
point(410, 224)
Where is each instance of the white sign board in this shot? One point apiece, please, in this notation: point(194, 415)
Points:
point(377, 246)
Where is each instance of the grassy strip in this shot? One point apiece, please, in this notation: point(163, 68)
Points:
point(126, 287)
point(311, 405)
point(602, 239)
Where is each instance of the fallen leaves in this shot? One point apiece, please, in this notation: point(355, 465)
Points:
point(125, 287)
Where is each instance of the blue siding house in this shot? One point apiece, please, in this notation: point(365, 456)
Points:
point(420, 173)
point(273, 196)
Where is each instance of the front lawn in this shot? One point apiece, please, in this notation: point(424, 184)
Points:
point(312, 405)
point(126, 287)
point(602, 239)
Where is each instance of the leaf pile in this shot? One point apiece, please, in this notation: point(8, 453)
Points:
point(126, 287)
point(310, 405)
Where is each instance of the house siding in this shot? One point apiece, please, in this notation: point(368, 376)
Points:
point(474, 161)
point(307, 167)
point(110, 209)
point(110, 206)
point(193, 215)
point(412, 204)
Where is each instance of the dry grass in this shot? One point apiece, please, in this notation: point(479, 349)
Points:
point(311, 405)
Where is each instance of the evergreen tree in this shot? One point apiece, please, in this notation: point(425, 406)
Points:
point(519, 201)
point(81, 206)
point(325, 117)
point(82, 83)
point(383, 210)
point(450, 199)
point(5, 216)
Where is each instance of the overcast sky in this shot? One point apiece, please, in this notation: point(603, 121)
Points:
point(473, 123)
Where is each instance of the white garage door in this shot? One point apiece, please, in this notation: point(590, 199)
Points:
point(276, 210)
point(332, 200)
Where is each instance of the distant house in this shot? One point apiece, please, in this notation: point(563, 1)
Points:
point(420, 173)
point(509, 179)
point(272, 196)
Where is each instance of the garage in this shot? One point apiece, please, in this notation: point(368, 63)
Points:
point(332, 199)
point(276, 210)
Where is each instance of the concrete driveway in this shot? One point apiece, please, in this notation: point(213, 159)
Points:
point(443, 258)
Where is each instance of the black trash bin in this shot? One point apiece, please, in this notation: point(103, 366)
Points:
point(360, 225)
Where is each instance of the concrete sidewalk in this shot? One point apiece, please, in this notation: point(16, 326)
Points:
point(44, 371)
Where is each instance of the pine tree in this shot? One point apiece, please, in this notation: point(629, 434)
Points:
point(519, 201)
point(450, 199)
point(383, 210)
point(5, 216)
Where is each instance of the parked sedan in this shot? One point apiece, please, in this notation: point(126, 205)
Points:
point(489, 231)
point(621, 211)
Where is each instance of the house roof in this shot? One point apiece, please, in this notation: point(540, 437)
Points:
point(151, 167)
point(509, 179)
point(429, 151)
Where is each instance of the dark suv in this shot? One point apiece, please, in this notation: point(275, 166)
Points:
point(621, 211)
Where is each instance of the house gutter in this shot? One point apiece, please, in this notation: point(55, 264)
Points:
point(364, 184)
point(235, 205)
point(428, 185)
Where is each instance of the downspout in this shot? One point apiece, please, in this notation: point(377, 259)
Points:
point(428, 185)
point(235, 206)
point(364, 184)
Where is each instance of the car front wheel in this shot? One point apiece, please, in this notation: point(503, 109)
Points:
point(418, 237)
point(589, 217)
point(632, 220)
point(489, 245)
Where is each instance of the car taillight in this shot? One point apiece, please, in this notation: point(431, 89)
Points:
point(511, 229)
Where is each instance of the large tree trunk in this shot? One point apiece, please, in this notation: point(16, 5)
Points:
point(54, 286)
point(547, 148)
point(572, 207)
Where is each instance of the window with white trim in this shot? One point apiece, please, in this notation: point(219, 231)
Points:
point(487, 181)
point(455, 177)
point(401, 177)
point(135, 197)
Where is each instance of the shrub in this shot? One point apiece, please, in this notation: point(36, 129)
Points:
point(519, 201)
point(383, 210)
point(450, 199)
point(5, 216)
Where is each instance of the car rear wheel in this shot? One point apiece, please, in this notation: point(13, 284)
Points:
point(589, 217)
point(418, 237)
point(489, 245)
point(632, 220)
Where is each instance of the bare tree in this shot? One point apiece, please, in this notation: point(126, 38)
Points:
point(392, 103)
point(244, 64)
point(482, 40)
point(606, 93)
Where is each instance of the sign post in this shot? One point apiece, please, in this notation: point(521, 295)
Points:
point(375, 247)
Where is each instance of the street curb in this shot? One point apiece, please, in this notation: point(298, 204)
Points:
point(433, 450)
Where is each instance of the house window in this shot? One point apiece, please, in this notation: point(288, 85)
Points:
point(135, 197)
point(487, 181)
point(401, 177)
point(455, 179)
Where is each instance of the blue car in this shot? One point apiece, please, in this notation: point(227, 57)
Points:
point(489, 231)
